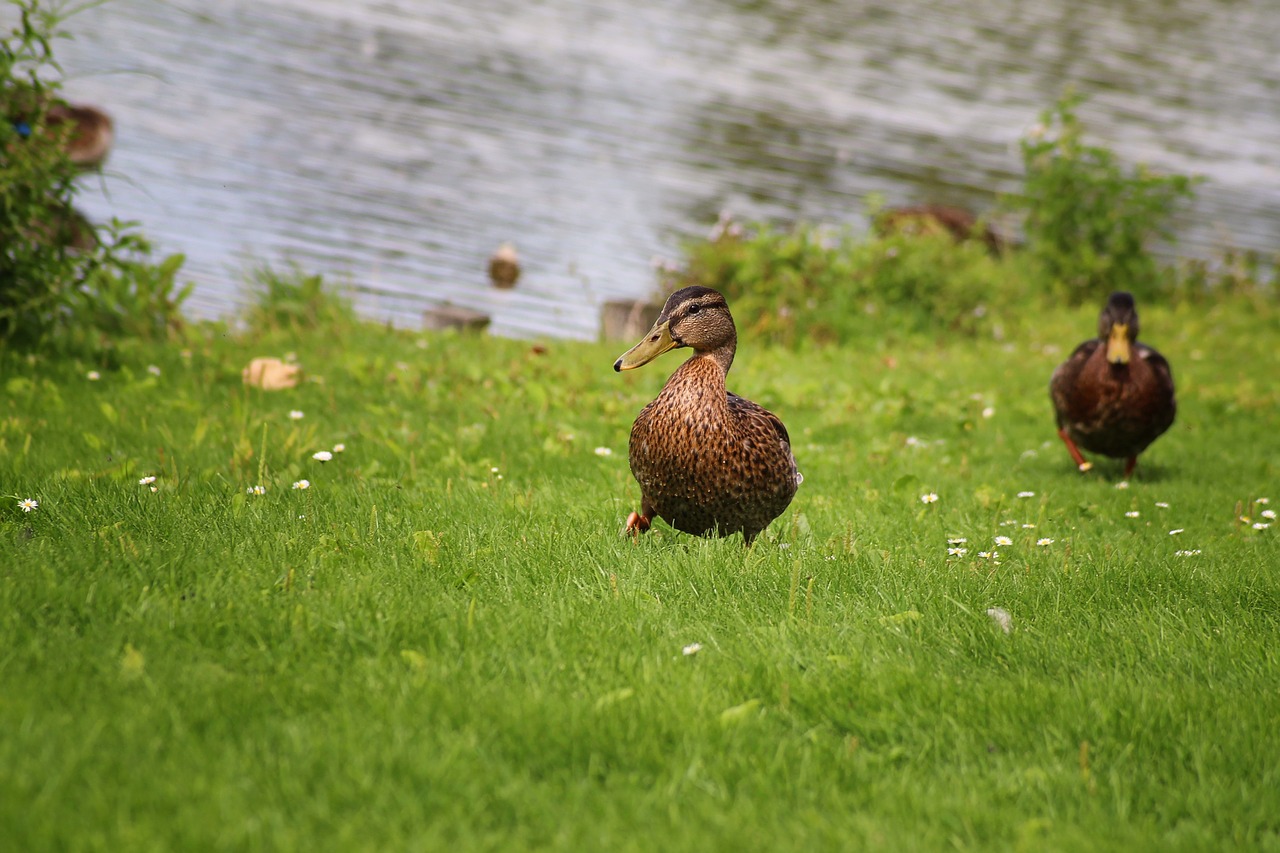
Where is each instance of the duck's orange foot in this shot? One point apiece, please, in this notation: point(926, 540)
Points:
point(1081, 465)
point(636, 524)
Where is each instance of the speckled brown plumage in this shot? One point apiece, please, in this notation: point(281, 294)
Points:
point(707, 460)
point(1110, 407)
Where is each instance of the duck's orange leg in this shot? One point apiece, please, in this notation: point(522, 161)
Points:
point(636, 524)
point(1129, 465)
point(1081, 464)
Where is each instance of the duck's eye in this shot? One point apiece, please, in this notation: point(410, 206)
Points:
point(695, 308)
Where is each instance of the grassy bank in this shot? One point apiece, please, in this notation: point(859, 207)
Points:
point(444, 640)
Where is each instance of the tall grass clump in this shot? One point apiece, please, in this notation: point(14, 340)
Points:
point(1090, 221)
point(296, 301)
point(63, 280)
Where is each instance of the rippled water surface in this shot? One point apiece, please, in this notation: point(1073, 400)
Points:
point(394, 145)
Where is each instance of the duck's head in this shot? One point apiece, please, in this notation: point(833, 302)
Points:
point(696, 317)
point(1118, 326)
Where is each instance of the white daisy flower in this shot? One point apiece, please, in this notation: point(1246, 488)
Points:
point(912, 441)
point(256, 490)
point(1190, 553)
point(1263, 501)
point(153, 370)
point(296, 415)
point(93, 376)
point(1133, 513)
point(322, 456)
point(1026, 494)
point(957, 552)
point(1044, 543)
point(931, 498)
point(604, 451)
point(28, 504)
point(339, 447)
point(302, 484)
point(1003, 540)
point(1175, 531)
point(1123, 484)
point(155, 489)
point(692, 649)
point(1268, 513)
point(1028, 526)
point(1162, 504)
point(959, 540)
point(989, 555)
point(988, 412)
point(146, 481)
point(1260, 525)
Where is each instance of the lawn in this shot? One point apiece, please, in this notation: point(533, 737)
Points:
point(444, 641)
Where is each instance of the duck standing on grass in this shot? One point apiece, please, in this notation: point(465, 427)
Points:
point(1113, 396)
point(707, 460)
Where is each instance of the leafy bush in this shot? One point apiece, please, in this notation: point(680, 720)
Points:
point(62, 280)
point(1089, 221)
point(817, 284)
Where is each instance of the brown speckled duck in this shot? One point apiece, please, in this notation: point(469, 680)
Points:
point(1113, 396)
point(707, 460)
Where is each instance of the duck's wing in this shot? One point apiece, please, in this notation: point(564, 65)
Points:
point(743, 408)
point(1064, 378)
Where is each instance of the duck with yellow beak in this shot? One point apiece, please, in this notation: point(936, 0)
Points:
point(1113, 396)
point(708, 461)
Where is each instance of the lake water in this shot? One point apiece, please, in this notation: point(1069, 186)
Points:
point(393, 145)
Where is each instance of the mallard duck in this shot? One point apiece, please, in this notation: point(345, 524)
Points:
point(957, 222)
point(504, 267)
point(91, 136)
point(707, 460)
point(1113, 396)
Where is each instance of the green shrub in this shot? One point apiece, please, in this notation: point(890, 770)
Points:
point(62, 281)
point(818, 284)
point(1089, 221)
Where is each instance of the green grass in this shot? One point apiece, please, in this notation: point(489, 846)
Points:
point(419, 651)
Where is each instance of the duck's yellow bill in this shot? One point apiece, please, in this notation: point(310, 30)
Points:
point(1118, 344)
point(654, 344)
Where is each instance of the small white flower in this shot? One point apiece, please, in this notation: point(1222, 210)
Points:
point(988, 412)
point(302, 484)
point(339, 447)
point(1190, 553)
point(692, 649)
point(957, 552)
point(1044, 543)
point(155, 489)
point(1001, 617)
point(1268, 513)
point(1026, 494)
point(1260, 525)
point(493, 470)
point(322, 456)
point(153, 370)
point(1123, 484)
point(1028, 526)
point(1003, 540)
point(931, 498)
point(1246, 519)
point(28, 504)
point(1175, 531)
point(93, 376)
point(989, 555)
point(604, 451)
point(1263, 501)
point(296, 415)
point(146, 481)
point(1162, 504)
point(912, 441)
point(1133, 513)
point(256, 490)
point(959, 540)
